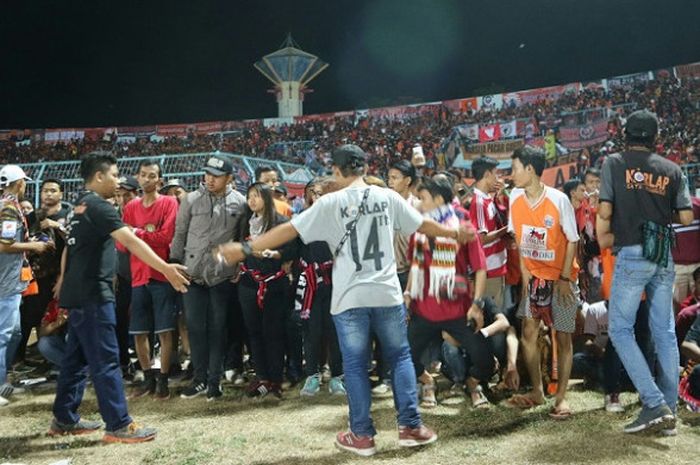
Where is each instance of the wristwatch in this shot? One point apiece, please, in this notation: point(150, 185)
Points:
point(479, 302)
point(247, 249)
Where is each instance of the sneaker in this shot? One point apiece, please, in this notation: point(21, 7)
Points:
point(382, 389)
point(162, 389)
point(81, 427)
point(652, 419)
point(275, 390)
point(336, 386)
point(360, 445)
point(229, 374)
point(3, 402)
point(326, 374)
point(139, 376)
point(412, 437)
point(22, 369)
point(214, 392)
point(194, 390)
point(6, 390)
point(612, 403)
point(257, 388)
point(311, 386)
point(144, 388)
point(131, 433)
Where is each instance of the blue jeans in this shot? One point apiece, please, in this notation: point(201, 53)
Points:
point(633, 275)
point(53, 347)
point(354, 328)
point(92, 343)
point(10, 332)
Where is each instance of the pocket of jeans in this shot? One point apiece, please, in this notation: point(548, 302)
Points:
point(632, 266)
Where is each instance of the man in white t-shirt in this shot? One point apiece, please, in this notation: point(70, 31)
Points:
point(359, 222)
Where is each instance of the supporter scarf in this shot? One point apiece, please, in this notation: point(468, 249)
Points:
point(262, 281)
point(442, 271)
point(311, 276)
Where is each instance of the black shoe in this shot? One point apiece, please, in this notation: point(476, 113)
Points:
point(146, 387)
point(196, 389)
point(214, 392)
point(162, 389)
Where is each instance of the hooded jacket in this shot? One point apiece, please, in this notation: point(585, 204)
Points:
point(203, 222)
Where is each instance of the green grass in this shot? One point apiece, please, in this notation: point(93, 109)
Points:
point(298, 431)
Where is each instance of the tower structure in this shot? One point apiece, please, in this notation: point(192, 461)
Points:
point(290, 69)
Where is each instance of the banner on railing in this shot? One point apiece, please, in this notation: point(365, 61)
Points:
point(691, 70)
point(629, 80)
point(492, 102)
point(584, 135)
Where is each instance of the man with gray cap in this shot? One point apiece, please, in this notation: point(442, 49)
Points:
point(205, 220)
point(15, 273)
point(641, 193)
point(359, 222)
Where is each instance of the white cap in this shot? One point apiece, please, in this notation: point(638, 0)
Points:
point(12, 173)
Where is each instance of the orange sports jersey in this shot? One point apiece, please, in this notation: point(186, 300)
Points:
point(542, 231)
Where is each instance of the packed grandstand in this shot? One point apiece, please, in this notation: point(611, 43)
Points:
point(575, 122)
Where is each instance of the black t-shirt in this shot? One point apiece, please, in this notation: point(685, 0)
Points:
point(48, 265)
point(92, 256)
point(642, 187)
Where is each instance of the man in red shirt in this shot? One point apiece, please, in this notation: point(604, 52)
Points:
point(492, 225)
point(439, 291)
point(152, 219)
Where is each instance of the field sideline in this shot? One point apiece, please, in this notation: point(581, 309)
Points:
point(298, 431)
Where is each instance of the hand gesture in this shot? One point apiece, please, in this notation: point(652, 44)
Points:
point(476, 315)
point(176, 275)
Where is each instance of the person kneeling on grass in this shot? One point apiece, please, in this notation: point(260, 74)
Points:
point(359, 222)
point(439, 294)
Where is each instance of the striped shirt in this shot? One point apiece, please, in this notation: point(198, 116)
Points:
point(484, 216)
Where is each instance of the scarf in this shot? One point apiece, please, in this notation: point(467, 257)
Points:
point(442, 271)
point(262, 281)
point(312, 275)
point(256, 226)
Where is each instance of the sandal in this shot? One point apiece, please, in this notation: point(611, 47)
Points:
point(428, 399)
point(482, 402)
point(522, 401)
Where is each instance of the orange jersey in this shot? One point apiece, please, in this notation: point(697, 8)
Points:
point(542, 231)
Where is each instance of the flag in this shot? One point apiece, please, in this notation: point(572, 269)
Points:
point(489, 133)
point(509, 129)
point(469, 131)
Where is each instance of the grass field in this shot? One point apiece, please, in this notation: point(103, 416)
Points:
point(298, 431)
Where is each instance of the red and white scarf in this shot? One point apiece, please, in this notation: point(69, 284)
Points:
point(442, 270)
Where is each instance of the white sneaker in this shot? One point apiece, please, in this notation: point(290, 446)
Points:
point(3, 401)
point(612, 403)
point(381, 390)
point(228, 374)
point(139, 376)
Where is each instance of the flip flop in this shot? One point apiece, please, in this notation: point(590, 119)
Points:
point(429, 400)
point(482, 402)
point(522, 401)
point(560, 413)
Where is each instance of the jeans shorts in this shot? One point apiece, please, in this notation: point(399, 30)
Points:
point(153, 308)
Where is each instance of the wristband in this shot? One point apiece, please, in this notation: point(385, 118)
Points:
point(485, 332)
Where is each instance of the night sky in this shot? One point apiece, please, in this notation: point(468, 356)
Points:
point(96, 63)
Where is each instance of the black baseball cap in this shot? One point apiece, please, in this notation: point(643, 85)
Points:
point(642, 123)
point(128, 183)
point(348, 155)
point(281, 188)
point(173, 182)
point(219, 165)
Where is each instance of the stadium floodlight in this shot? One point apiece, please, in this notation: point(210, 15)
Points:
point(290, 69)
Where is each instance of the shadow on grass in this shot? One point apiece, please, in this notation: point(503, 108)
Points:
point(341, 457)
point(24, 446)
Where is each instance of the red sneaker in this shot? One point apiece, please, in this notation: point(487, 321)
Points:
point(412, 437)
point(360, 445)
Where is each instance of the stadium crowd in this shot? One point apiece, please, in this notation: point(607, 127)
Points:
point(508, 286)
point(388, 139)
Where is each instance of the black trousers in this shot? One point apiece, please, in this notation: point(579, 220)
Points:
point(123, 304)
point(266, 329)
point(33, 310)
point(235, 334)
point(422, 332)
point(317, 328)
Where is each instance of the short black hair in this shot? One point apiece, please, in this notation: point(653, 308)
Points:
point(481, 166)
point(591, 172)
point(570, 185)
point(263, 169)
point(95, 162)
point(696, 274)
point(440, 186)
point(52, 181)
point(405, 168)
point(533, 156)
point(151, 162)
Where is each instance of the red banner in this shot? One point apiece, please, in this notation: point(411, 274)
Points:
point(489, 133)
point(171, 130)
point(547, 93)
point(691, 70)
point(462, 105)
point(207, 128)
point(585, 135)
point(136, 131)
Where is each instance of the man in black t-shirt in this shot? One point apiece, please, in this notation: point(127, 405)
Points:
point(89, 266)
point(641, 191)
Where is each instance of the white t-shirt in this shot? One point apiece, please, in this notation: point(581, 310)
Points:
point(596, 322)
point(364, 272)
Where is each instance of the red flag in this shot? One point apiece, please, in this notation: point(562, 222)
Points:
point(489, 133)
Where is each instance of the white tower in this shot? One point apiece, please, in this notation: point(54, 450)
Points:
point(290, 69)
